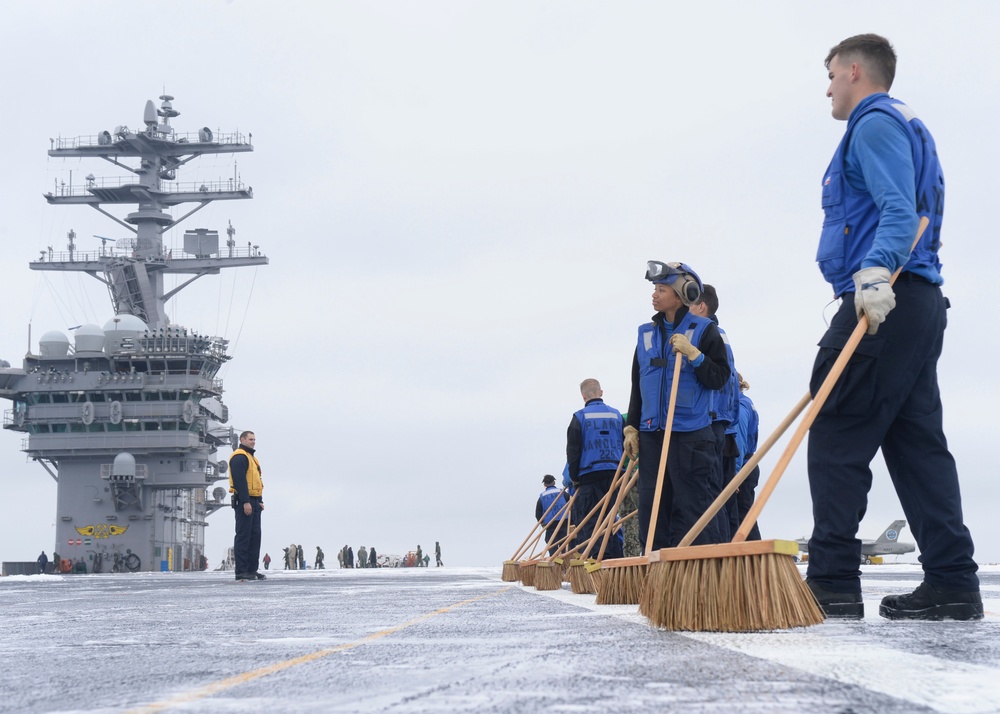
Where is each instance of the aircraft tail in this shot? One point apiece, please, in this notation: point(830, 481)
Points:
point(891, 534)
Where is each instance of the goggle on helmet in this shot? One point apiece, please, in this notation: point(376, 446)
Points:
point(680, 276)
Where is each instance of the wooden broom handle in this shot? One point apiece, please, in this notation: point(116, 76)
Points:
point(662, 467)
point(633, 474)
point(616, 483)
point(558, 516)
point(538, 524)
point(599, 506)
point(743, 473)
point(807, 421)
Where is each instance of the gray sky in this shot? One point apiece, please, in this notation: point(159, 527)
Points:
point(458, 201)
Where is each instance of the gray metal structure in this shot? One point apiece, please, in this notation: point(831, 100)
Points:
point(127, 418)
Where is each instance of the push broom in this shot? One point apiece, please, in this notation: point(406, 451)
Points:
point(526, 568)
point(621, 579)
point(510, 569)
point(746, 586)
point(566, 562)
point(652, 594)
point(549, 574)
point(580, 581)
point(518, 570)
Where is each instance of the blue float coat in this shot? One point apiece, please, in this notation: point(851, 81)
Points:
point(883, 177)
point(594, 439)
point(651, 380)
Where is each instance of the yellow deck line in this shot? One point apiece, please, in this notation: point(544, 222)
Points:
point(229, 682)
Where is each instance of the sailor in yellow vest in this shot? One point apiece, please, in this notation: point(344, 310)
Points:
point(247, 487)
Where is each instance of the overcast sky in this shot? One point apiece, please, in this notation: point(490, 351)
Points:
point(458, 201)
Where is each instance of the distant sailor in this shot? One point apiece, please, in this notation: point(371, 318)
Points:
point(593, 451)
point(247, 487)
point(725, 413)
point(552, 517)
point(747, 427)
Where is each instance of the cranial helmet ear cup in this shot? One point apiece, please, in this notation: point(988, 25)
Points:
point(687, 289)
point(690, 291)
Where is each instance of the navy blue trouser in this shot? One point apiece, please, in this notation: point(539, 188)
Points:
point(553, 532)
point(246, 544)
point(691, 483)
point(745, 499)
point(887, 398)
point(589, 493)
point(729, 517)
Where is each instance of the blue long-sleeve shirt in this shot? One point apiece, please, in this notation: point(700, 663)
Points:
point(880, 160)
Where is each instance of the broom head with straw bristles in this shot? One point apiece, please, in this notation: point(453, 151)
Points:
point(580, 581)
point(563, 562)
point(619, 581)
point(548, 575)
point(511, 572)
point(526, 572)
point(731, 587)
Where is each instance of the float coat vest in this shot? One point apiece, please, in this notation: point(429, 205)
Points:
point(851, 216)
point(726, 401)
point(548, 496)
point(656, 369)
point(747, 427)
point(601, 429)
point(255, 485)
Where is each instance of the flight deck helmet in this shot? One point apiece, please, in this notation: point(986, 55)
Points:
point(680, 276)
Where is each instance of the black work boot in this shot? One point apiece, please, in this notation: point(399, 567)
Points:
point(930, 603)
point(838, 606)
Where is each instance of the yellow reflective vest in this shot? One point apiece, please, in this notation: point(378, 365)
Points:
point(255, 485)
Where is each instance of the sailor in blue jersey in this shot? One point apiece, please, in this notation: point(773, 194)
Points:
point(883, 177)
point(747, 427)
point(692, 477)
point(593, 449)
point(725, 411)
point(554, 520)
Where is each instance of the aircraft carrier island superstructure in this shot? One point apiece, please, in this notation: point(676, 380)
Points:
point(127, 417)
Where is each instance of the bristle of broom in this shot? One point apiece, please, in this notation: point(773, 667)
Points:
point(511, 571)
point(559, 564)
point(745, 593)
point(564, 563)
point(548, 576)
point(526, 573)
point(580, 581)
point(619, 585)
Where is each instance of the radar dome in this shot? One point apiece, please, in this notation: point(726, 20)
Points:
point(120, 333)
point(123, 465)
point(54, 344)
point(129, 323)
point(89, 338)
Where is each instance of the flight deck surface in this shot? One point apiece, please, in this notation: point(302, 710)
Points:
point(458, 640)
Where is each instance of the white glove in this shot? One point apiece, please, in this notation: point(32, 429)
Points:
point(631, 442)
point(873, 296)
